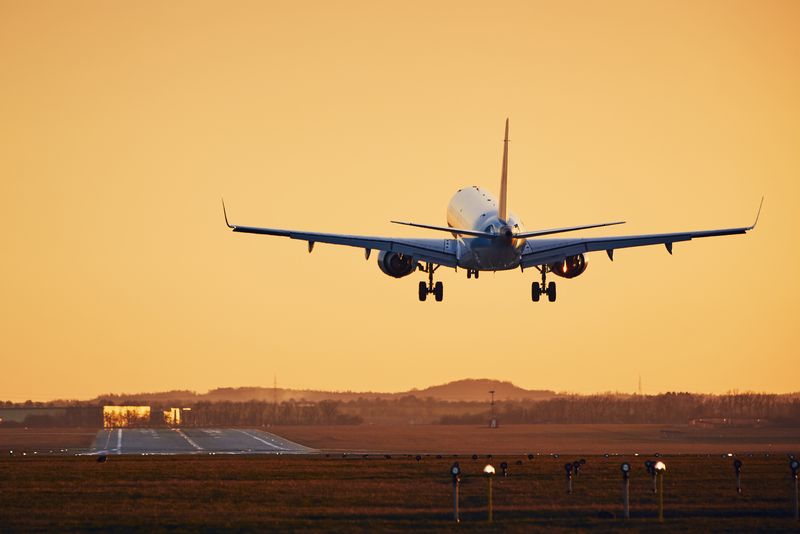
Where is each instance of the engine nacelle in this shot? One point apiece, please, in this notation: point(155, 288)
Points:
point(395, 264)
point(570, 267)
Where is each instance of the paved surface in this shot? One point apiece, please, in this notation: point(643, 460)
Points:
point(193, 441)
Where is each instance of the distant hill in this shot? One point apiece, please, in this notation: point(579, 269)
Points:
point(467, 390)
point(476, 390)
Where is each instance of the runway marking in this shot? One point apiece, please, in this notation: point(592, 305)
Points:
point(108, 439)
point(119, 441)
point(187, 438)
point(265, 442)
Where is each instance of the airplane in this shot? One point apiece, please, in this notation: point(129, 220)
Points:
point(488, 237)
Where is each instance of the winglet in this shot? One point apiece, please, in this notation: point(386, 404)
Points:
point(225, 213)
point(757, 214)
point(502, 212)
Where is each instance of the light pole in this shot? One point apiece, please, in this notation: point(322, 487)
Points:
point(737, 466)
point(489, 472)
point(650, 466)
point(659, 469)
point(455, 472)
point(626, 484)
point(794, 465)
point(568, 469)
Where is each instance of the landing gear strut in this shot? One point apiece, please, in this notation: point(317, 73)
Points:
point(424, 289)
point(473, 272)
point(537, 290)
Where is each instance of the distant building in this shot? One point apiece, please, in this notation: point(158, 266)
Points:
point(125, 416)
point(70, 416)
point(26, 415)
point(174, 416)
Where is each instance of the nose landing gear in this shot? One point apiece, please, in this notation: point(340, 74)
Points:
point(537, 290)
point(436, 289)
point(473, 272)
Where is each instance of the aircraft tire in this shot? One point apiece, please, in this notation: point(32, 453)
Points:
point(551, 291)
point(536, 291)
point(438, 291)
point(423, 291)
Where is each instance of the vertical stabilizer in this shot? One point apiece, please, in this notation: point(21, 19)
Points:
point(502, 213)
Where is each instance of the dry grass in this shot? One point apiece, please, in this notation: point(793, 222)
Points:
point(356, 494)
point(519, 439)
point(46, 438)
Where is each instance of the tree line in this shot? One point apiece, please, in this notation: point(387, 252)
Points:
point(667, 408)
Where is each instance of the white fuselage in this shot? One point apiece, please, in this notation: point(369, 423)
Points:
point(473, 208)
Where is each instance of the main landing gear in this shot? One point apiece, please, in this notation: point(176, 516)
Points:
point(437, 289)
point(473, 272)
point(537, 290)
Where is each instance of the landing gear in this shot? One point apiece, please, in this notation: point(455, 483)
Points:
point(473, 272)
point(551, 291)
point(436, 289)
point(538, 289)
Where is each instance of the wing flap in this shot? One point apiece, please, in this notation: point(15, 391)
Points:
point(543, 251)
point(439, 251)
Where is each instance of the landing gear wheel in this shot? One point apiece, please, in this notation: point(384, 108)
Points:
point(536, 291)
point(551, 291)
point(438, 291)
point(423, 291)
point(469, 274)
point(477, 273)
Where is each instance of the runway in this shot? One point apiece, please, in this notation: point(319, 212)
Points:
point(193, 441)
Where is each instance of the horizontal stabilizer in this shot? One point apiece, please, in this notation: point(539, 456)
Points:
point(459, 231)
point(537, 233)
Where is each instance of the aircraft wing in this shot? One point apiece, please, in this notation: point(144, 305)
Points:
point(438, 251)
point(544, 251)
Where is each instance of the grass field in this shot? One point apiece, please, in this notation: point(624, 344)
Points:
point(464, 439)
point(546, 438)
point(357, 494)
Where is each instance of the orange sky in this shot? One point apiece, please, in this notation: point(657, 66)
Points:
point(124, 123)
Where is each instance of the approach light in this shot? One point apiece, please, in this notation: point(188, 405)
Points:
point(488, 470)
point(794, 465)
point(660, 467)
point(626, 467)
point(455, 470)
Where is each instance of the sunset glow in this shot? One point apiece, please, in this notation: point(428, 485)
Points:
point(124, 123)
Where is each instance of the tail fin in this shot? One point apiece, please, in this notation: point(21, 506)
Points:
point(504, 180)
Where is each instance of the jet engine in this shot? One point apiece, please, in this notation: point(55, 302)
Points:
point(396, 265)
point(570, 267)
